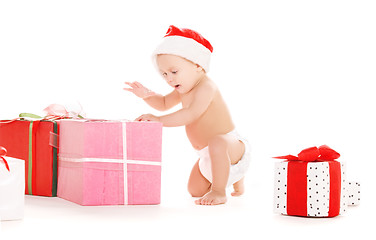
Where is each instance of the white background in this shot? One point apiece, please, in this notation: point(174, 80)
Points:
point(294, 74)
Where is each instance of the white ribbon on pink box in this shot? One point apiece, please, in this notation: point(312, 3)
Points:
point(124, 161)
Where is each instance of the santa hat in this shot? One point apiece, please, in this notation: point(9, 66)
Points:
point(185, 43)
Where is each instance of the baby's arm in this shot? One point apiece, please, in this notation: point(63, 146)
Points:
point(201, 101)
point(156, 101)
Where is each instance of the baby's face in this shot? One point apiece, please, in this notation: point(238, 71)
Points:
point(178, 72)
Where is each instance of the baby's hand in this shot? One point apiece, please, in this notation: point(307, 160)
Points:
point(139, 90)
point(147, 117)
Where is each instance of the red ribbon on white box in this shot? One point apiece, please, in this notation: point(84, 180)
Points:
point(314, 154)
point(3, 152)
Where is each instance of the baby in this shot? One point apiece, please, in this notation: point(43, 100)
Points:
point(183, 60)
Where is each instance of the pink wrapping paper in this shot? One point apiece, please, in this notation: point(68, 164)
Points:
point(92, 166)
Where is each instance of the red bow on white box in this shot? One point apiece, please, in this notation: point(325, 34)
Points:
point(312, 154)
point(3, 152)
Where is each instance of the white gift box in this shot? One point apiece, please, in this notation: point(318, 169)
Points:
point(317, 189)
point(353, 193)
point(12, 189)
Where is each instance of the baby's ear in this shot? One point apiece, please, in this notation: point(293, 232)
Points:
point(199, 68)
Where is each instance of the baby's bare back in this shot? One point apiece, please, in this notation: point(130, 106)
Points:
point(214, 121)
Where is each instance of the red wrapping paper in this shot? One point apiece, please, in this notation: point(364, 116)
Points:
point(31, 141)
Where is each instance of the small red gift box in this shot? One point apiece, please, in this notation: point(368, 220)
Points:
point(310, 185)
point(34, 142)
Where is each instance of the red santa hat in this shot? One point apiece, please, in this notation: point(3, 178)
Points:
point(185, 43)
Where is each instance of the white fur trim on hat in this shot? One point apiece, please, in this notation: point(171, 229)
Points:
point(186, 48)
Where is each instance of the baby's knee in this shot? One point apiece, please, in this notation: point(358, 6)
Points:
point(197, 192)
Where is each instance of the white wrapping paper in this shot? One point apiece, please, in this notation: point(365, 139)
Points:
point(318, 189)
point(12, 189)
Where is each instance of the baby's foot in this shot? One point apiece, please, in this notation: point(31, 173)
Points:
point(212, 198)
point(238, 188)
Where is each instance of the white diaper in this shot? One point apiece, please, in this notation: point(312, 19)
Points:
point(237, 171)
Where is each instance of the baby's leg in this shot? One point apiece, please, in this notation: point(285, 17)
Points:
point(198, 185)
point(224, 150)
point(238, 188)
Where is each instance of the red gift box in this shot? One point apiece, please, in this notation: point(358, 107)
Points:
point(34, 142)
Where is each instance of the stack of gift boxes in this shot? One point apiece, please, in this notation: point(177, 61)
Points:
point(89, 162)
point(99, 162)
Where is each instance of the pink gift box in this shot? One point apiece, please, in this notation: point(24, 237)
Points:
point(93, 169)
